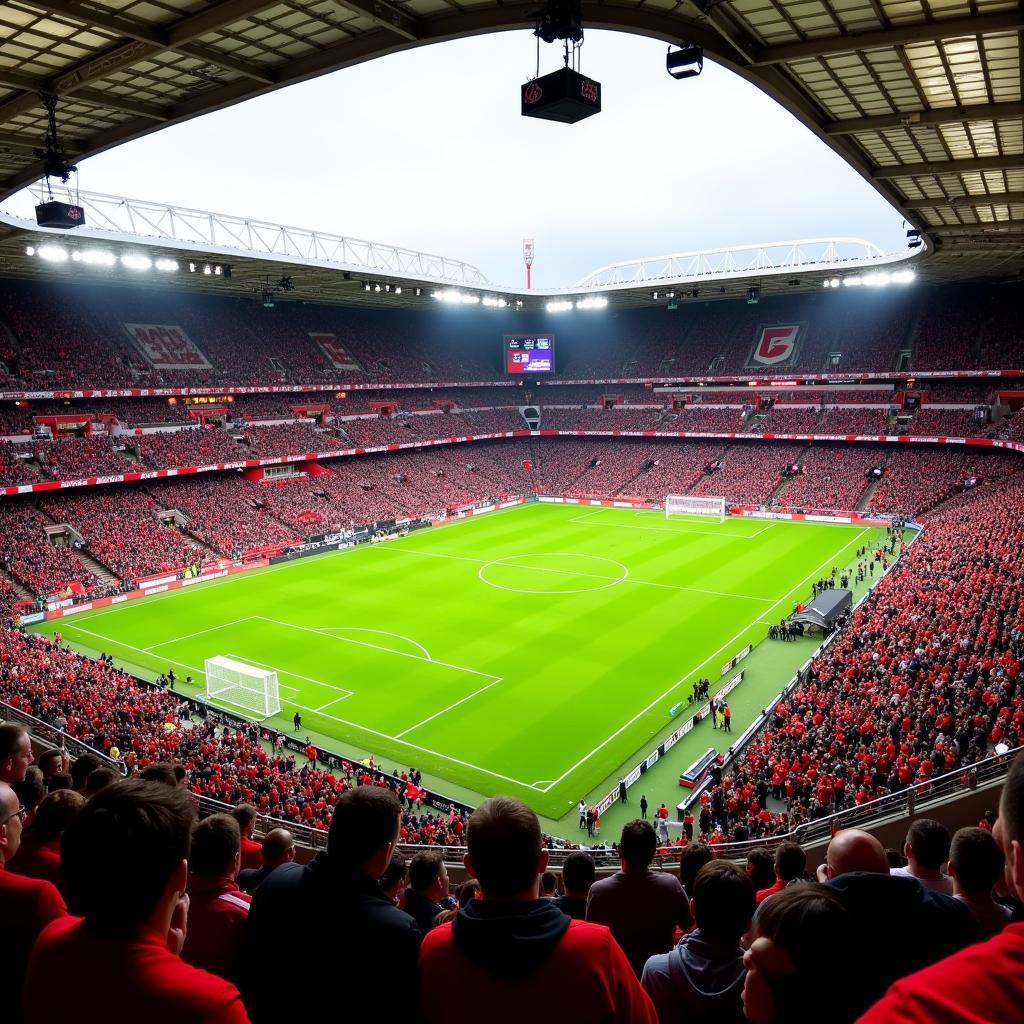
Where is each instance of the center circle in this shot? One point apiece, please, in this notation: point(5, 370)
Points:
point(552, 572)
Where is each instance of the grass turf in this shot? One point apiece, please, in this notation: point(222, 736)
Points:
point(531, 652)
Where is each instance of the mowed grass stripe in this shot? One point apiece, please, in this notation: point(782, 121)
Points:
point(573, 667)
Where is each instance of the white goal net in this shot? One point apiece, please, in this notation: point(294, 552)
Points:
point(686, 505)
point(242, 686)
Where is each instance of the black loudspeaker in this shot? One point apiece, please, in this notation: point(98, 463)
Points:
point(564, 95)
point(59, 215)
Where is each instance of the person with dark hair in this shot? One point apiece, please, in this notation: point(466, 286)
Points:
point(701, 980)
point(278, 848)
point(984, 982)
point(976, 864)
point(760, 868)
point(59, 781)
point(469, 890)
point(53, 761)
point(692, 859)
point(509, 956)
point(218, 911)
point(245, 815)
point(39, 853)
point(27, 906)
point(341, 888)
point(125, 866)
point(395, 879)
point(30, 792)
point(428, 887)
point(160, 771)
point(898, 925)
point(796, 966)
point(578, 873)
point(642, 907)
point(81, 768)
point(548, 885)
point(926, 850)
point(790, 865)
point(98, 778)
point(15, 752)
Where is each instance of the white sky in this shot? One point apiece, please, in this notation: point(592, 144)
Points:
point(427, 149)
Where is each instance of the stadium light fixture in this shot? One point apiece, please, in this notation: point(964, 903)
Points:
point(133, 261)
point(592, 302)
point(558, 306)
point(98, 258)
point(417, 292)
point(366, 286)
point(686, 62)
point(903, 277)
point(30, 250)
point(398, 289)
point(207, 270)
point(166, 265)
point(853, 281)
point(53, 253)
point(376, 287)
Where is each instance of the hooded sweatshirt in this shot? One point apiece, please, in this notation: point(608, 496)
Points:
point(699, 982)
point(527, 961)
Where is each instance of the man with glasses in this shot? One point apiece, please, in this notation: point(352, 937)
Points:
point(28, 906)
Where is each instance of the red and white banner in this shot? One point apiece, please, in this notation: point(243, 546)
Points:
point(339, 356)
point(166, 346)
point(775, 345)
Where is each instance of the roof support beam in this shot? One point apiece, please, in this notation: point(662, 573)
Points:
point(937, 167)
point(996, 230)
point(388, 16)
point(969, 202)
point(912, 119)
point(899, 35)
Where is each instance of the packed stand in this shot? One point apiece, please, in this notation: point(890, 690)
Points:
point(830, 478)
point(13, 467)
point(28, 555)
point(837, 420)
point(749, 473)
point(789, 420)
point(192, 446)
point(290, 439)
point(75, 457)
point(932, 422)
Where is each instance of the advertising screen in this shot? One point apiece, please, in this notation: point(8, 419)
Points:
point(529, 353)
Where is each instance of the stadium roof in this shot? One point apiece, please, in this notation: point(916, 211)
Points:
point(922, 98)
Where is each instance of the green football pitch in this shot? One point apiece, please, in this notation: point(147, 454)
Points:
point(533, 651)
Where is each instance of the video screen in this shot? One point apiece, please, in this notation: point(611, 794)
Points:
point(529, 353)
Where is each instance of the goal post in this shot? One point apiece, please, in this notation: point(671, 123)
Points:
point(687, 505)
point(242, 686)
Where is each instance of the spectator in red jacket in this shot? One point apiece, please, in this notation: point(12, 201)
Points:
point(39, 854)
point(15, 752)
point(218, 911)
point(790, 864)
point(29, 905)
point(508, 954)
point(125, 863)
point(984, 982)
point(252, 852)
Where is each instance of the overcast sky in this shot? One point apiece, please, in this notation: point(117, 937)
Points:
point(427, 149)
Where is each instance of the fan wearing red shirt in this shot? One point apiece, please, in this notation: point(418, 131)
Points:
point(252, 852)
point(984, 983)
point(125, 868)
point(39, 853)
point(515, 955)
point(790, 864)
point(28, 906)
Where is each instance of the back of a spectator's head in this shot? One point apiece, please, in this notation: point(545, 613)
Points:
point(395, 874)
point(82, 767)
point(31, 789)
point(798, 962)
point(723, 901)
point(927, 843)
point(505, 852)
point(638, 844)
point(125, 854)
point(54, 814)
point(790, 862)
point(760, 867)
point(245, 815)
point(975, 860)
point(278, 847)
point(895, 858)
point(15, 752)
point(364, 829)
point(1009, 826)
point(469, 890)
point(58, 781)
point(424, 868)
point(98, 778)
point(692, 860)
point(548, 883)
point(160, 771)
point(578, 873)
point(215, 848)
point(852, 849)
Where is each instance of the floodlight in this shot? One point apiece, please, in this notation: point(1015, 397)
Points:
point(166, 265)
point(53, 253)
point(686, 62)
point(133, 261)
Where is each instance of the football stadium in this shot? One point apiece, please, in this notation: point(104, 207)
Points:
point(644, 648)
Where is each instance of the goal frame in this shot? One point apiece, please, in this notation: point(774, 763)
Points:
point(688, 505)
point(238, 678)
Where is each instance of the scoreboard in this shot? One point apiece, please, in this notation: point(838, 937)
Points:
point(529, 353)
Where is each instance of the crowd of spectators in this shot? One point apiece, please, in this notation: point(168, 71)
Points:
point(122, 531)
point(925, 679)
point(289, 439)
point(749, 473)
point(783, 419)
point(76, 457)
point(837, 420)
point(830, 478)
point(191, 446)
point(28, 555)
point(13, 465)
point(934, 422)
